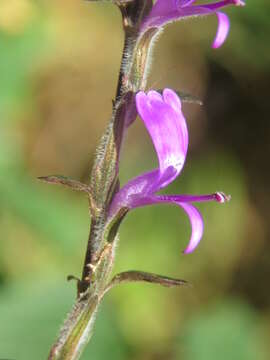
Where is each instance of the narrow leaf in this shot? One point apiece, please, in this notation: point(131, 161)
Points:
point(63, 180)
point(136, 276)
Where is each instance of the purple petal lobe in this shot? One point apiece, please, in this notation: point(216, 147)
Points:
point(167, 127)
point(196, 226)
point(222, 31)
point(166, 11)
point(193, 213)
point(134, 191)
point(163, 7)
point(183, 3)
point(172, 99)
point(154, 95)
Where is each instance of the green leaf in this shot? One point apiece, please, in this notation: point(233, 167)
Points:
point(141, 276)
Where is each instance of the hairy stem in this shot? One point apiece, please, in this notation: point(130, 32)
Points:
point(76, 330)
point(104, 182)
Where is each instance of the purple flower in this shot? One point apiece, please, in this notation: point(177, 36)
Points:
point(166, 11)
point(166, 125)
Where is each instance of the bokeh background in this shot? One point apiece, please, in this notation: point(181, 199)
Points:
point(59, 62)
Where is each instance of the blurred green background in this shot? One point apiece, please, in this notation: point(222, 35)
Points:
point(59, 62)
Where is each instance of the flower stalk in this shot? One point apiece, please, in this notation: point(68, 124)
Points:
point(99, 256)
point(143, 21)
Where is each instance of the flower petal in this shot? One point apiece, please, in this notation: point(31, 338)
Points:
point(192, 212)
point(196, 226)
point(162, 7)
point(164, 12)
point(172, 99)
point(222, 31)
point(166, 125)
point(134, 190)
point(163, 118)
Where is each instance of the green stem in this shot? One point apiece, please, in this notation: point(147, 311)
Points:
point(76, 331)
point(99, 257)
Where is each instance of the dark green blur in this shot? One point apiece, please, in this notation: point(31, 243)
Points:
point(59, 64)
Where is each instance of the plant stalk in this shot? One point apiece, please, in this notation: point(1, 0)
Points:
point(99, 257)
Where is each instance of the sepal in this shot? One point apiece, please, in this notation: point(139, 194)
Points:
point(141, 276)
point(66, 181)
point(104, 171)
point(104, 175)
point(112, 227)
